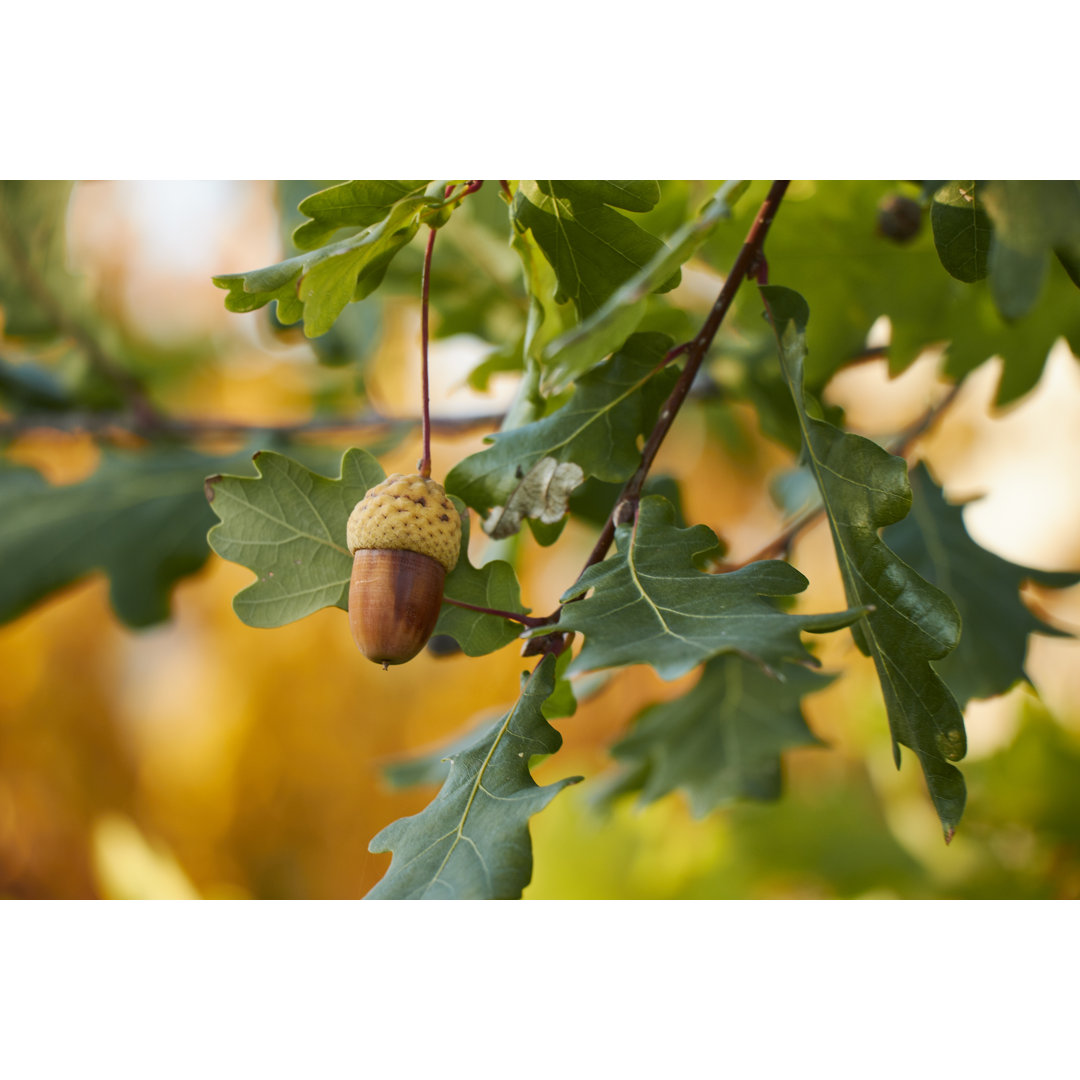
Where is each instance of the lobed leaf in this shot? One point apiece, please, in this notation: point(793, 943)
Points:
point(288, 525)
point(650, 605)
point(355, 204)
point(723, 739)
point(316, 286)
point(140, 518)
point(934, 542)
point(865, 488)
point(472, 842)
point(591, 247)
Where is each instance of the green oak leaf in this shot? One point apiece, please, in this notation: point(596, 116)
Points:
point(650, 605)
point(865, 488)
point(723, 739)
point(962, 230)
point(317, 285)
point(597, 428)
point(288, 526)
point(933, 541)
point(140, 518)
point(472, 841)
point(355, 204)
point(494, 585)
point(592, 247)
point(850, 277)
point(584, 346)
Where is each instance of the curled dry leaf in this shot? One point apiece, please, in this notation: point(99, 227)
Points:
point(543, 494)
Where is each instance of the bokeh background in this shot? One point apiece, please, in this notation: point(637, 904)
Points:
point(203, 758)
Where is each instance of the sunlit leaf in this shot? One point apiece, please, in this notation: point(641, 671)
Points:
point(472, 842)
point(649, 604)
point(356, 204)
point(317, 285)
point(864, 488)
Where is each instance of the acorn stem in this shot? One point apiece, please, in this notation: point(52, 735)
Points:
point(513, 616)
point(425, 289)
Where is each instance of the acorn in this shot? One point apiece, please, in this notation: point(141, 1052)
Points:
point(404, 536)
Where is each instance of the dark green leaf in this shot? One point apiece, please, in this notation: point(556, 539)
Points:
point(288, 526)
point(962, 230)
point(592, 248)
point(722, 741)
point(141, 518)
point(865, 488)
point(597, 428)
point(1016, 278)
point(1069, 256)
point(650, 605)
point(492, 585)
point(995, 623)
point(472, 842)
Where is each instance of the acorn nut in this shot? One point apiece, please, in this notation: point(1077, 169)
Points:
point(404, 536)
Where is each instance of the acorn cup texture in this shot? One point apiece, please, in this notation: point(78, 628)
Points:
point(404, 536)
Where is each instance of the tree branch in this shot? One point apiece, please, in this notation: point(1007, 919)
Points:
point(748, 262)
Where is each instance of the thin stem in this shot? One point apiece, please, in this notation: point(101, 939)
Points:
point(746, 261)
point(425, 291)
point(525, 620)
point(425, 461)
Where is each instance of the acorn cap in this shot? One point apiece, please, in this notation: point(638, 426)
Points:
point(407, 513)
